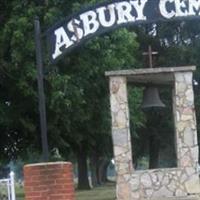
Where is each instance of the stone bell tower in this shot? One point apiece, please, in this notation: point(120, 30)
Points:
point(181, 182)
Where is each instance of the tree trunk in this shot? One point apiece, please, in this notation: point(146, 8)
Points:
point(102, 171)
point(83, 182)
point(154, 147)
point(93, 169)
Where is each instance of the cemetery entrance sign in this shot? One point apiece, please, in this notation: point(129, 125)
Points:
point(100, 18)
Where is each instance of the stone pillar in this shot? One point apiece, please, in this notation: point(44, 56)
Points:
point(186, 133)
point(49, 181)
point(185, 121)
point(121, 136)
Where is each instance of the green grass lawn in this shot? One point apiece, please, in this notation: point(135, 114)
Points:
point(106, 192)
point(19, 193)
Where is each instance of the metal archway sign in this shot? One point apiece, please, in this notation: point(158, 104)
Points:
point(90, 22)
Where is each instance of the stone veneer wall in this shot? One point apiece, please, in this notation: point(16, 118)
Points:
point(121, 136)
point(182, 181)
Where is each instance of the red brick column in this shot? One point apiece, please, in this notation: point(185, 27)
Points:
point(49, 181)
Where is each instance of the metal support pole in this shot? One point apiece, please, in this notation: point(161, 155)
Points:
point(42, 106)
point(9, 186)
point(12, 182)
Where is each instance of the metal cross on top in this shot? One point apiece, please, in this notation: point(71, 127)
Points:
point(150, 54)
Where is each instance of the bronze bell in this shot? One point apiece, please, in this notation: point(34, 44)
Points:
point(151, 98)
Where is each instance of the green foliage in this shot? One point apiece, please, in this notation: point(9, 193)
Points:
point(76, 89)
point(137, 117)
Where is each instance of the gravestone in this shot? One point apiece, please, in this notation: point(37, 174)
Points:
point(174, 183)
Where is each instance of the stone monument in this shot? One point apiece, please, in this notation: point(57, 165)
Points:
point(181, 182)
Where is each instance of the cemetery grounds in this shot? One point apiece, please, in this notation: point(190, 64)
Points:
point(105, 192)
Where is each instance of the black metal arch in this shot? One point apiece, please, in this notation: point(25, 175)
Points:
point(151, 10)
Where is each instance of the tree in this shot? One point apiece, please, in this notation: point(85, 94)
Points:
point(89, 117)
point(76, 89)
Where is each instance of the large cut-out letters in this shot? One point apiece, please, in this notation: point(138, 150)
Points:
point(62, 40)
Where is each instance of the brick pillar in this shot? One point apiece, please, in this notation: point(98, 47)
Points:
point(49, 181)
